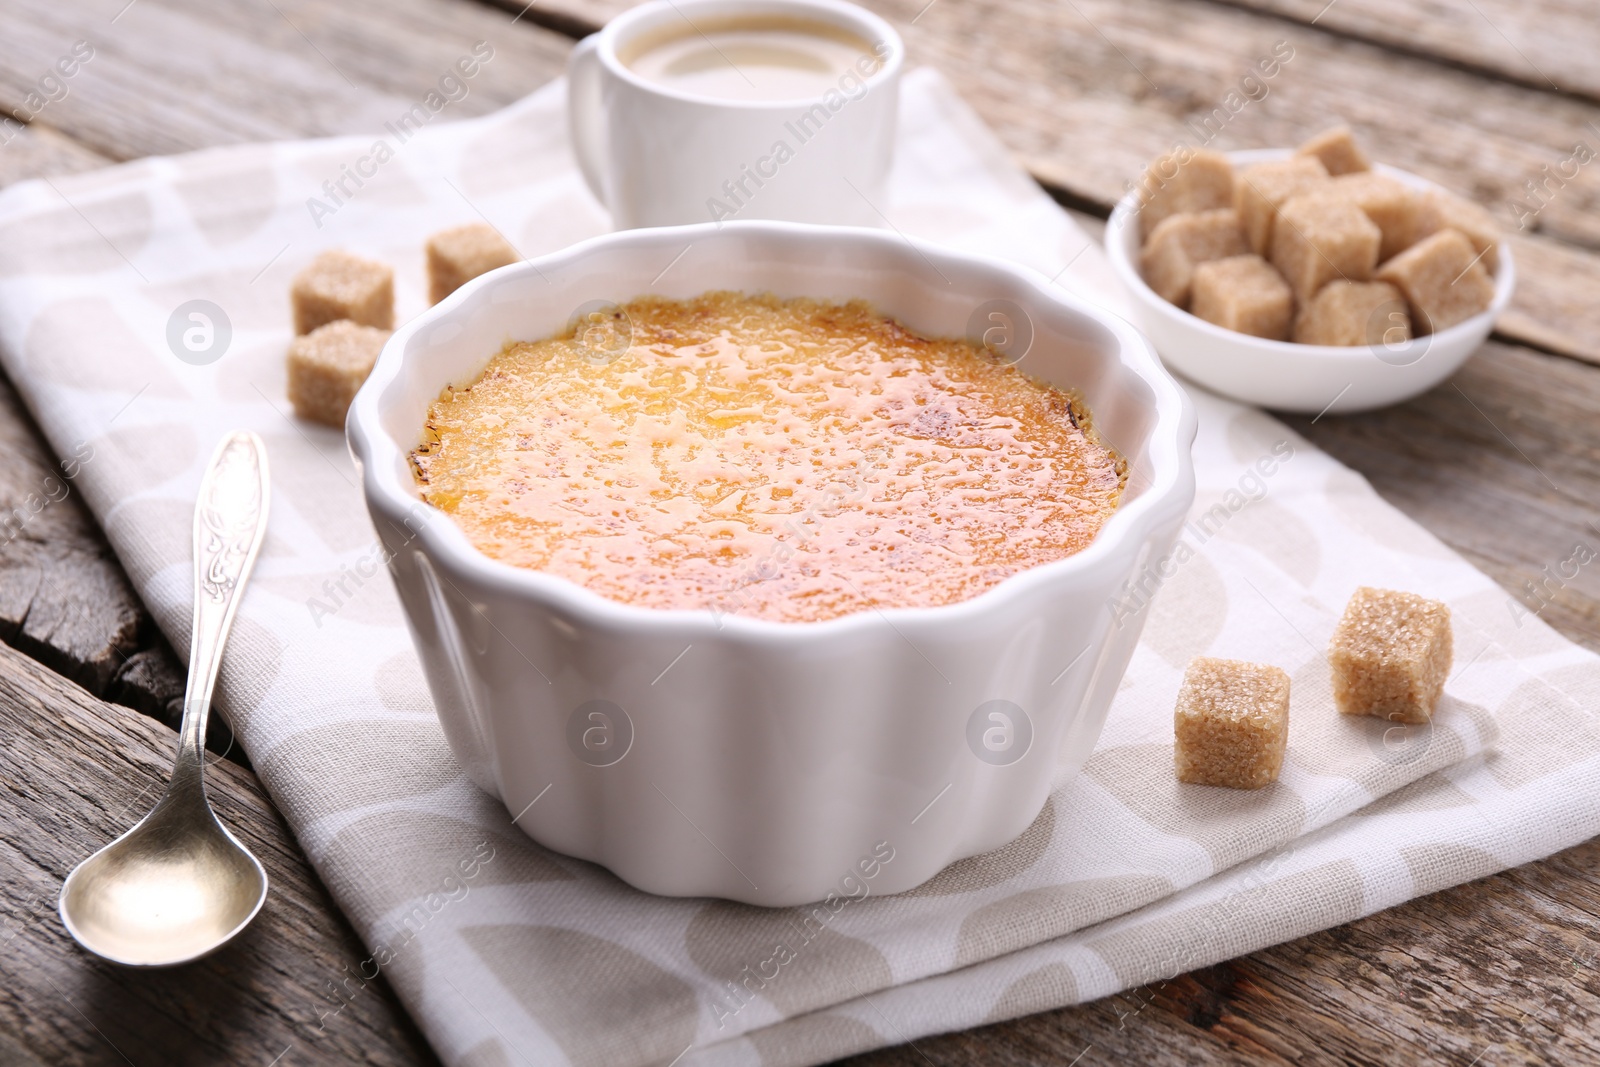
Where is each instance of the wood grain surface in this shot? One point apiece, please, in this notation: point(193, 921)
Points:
point(1543, 43)
point(63, 597)
point(74, 773)
point(1503, 463)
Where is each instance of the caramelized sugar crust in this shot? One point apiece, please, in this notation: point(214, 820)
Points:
point(780, 459)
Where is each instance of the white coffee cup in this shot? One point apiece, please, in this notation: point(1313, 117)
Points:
point(656, 153)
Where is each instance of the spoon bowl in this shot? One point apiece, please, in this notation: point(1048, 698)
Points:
point(172, 889)
point(178, 885)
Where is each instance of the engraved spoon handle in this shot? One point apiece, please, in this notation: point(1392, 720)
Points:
point(230, 519)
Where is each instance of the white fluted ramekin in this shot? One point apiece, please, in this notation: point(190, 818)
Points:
point(698, 754)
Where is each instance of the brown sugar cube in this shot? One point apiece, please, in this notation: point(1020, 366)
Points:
point(1181, 242)
point(338, 285)
point(1390, 655)
point(1317, 240)
point(1261, 189)
point(1442, 279)
point(1338, 151)
point(1399, 212)
point(328, 365)
point(1354, 313)
point(1232, 722)
point(457, 256)
point(1474, 223)
point(1245, 294)
point(1184, 180)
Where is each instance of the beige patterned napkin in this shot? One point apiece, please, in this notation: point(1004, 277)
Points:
point(506, 953)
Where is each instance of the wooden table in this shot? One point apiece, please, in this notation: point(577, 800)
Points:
point(1501, 462)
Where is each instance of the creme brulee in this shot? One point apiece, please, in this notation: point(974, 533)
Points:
point(782, 459)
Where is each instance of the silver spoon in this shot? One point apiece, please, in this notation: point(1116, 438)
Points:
point(178, 885)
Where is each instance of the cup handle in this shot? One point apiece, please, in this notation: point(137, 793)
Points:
point(585, 116)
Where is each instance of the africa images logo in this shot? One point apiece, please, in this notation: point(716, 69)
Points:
point(999, 732)
point(199, 332)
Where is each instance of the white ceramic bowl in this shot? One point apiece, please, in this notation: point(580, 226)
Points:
point(697, 754)
point(1291, 377)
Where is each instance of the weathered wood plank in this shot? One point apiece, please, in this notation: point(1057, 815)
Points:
point(63, 597)
point(1543, 43)
point(1086, 93)
point(1554, 307)
point(74, 773)
point(172, 75)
